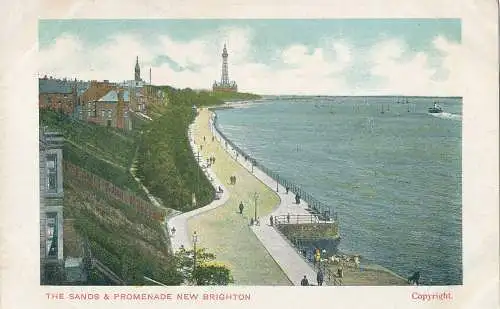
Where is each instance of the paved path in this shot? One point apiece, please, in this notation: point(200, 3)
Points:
point(284, 254)
point(181, 236)
point(287, 257)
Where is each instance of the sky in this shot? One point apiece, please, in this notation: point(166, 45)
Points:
point(278, 56)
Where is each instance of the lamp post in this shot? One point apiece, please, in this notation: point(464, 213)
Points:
point(195, 240)
point(255, 196)
point(198, 171)
point(277, 182)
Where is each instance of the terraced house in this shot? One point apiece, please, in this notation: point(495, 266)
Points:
point(86, 107)
point(112, 109)
point(60, 94)
point(101, 102)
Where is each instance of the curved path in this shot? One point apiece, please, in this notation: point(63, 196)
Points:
point(241, 250)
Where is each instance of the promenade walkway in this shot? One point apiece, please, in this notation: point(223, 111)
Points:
point(258, 260)
point(182, 237)
point(278, 246)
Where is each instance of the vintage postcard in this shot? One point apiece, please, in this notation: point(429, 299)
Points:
point(237, 155)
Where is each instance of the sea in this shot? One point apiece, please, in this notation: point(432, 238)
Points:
point(389, 169)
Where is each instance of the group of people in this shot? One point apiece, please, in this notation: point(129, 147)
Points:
point(232, 180)
point(211, 160)
point(319, 279)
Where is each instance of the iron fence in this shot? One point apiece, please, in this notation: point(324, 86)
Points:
point(114, 192)
point(318, 208)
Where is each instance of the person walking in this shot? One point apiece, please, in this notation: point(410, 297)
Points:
point(319, 277)
point(304, 281)
point(241, 208)
point(340, 272)
point(271, 220)
point(173, 231)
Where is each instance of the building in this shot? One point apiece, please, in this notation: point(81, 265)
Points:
point(86, 107)
point(112, 110)
point(59, 94)
point(225, 84)
point(137, 101)
point(141, 93)
point(51, 207)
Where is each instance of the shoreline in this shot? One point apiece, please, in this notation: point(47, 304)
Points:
point(368, 265)
point(285, 254)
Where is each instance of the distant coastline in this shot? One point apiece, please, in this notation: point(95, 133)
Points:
point(285, 97)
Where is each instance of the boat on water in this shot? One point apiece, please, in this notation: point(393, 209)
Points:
point(436, 109)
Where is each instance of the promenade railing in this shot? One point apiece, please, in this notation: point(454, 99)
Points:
point(298, 219)
point(321, 210)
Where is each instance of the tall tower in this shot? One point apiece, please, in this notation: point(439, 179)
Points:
point(224, 80)
point(137, 70)
point(225, 84)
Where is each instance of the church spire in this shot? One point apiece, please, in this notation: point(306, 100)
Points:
point(137, 70)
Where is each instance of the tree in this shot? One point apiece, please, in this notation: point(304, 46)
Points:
point(208, 271)
point(212, 273)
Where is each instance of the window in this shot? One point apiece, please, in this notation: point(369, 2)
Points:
point(52, 172)
point(103, 114)
point(109, 113)
point(52, 235)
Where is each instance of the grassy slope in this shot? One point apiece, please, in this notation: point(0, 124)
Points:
point(124, 240)
point(106, 152)
point(128, 243)
point(166, 164)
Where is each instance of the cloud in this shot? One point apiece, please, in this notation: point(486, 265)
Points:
point(415, 74)
point(295, 68)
